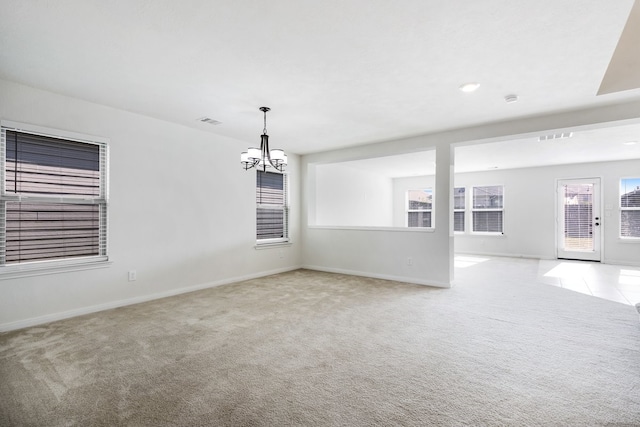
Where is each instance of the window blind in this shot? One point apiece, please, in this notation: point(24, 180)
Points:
point(630, 207)
point(488, 209)
point(419, 219)
point(54, 199)
point(272, 220)
point(459, 203)
point(37, 164)
point(419, 206)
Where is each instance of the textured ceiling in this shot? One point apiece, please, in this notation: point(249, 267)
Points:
point(336, 73)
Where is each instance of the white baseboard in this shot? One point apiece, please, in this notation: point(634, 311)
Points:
point(544, 257)
point(25, 323)
point(506, 255)
point(412, 280)
point(616, 262)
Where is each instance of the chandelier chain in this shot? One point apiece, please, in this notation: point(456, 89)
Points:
point(264, 131)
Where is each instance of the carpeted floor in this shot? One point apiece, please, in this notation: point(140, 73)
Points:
point(319, 349)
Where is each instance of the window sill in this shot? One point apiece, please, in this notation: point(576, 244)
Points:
point(270, 245)
point(629, 239)
point(51, 267)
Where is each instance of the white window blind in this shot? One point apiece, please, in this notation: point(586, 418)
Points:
point(459, 203)
point(272, 201)
point(488, 209)
point(419, 208)
point(53, 199)
point(630, 208)
point(578, 217)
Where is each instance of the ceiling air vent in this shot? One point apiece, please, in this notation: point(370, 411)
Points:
point(561, 135)
point(209, 120)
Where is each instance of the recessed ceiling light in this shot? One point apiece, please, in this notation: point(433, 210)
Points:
point(630, 143)
point(511, 98)
point(469, 87)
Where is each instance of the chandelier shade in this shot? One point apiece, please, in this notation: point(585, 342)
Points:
point(263, 157)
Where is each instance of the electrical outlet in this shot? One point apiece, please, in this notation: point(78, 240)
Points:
point(409, 261)
point(133, 275)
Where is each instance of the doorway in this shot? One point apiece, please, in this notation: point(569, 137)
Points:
point(579, 219)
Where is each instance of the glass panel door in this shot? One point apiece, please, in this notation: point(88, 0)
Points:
point(579, 219)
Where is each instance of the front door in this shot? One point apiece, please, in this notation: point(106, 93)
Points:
point(579, 219)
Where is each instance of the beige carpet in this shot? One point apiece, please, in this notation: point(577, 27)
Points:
point(318, 349)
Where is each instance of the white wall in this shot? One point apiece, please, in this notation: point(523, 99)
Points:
point(400, 188)
point(407, 254)
point(384, 252)
point(181, 212)
point(351, 197)
point(530, 210)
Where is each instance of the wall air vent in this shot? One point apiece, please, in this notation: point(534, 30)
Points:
point(209, 120)
point(561, 135)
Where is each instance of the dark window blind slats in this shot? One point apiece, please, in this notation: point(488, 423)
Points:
point(458, 221)
point(45, 230)
point(630, 203)
point(419, 219)
point(630, 224)
point(39, 231)
point(487, 221)
point(50, 166)
point(271, 215)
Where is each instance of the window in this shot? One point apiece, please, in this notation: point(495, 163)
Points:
point(488, 209)
point(53, 203)
point(458, 209)
point(272, 201)
point(419, 207)
point(630, 207)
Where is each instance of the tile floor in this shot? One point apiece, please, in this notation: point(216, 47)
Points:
point(613, 282)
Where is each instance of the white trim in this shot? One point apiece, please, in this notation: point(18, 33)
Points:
point(484, 234)
point(618, 262)
point(506, 255)
point(54, 133)
point(25, 323)
point(271, 245)
point(625, 240)
point(404, 279)
point(43, 268)
point(372, 228)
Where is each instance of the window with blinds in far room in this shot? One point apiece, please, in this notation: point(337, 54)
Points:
point(488, 209)
point(459, 203)
point(272, 204)
point(53, 199)
point(420, 208)
point(630, 208)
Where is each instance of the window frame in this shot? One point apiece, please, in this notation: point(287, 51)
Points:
point(474, 210)
point(431, 210)
point(37, 267)
point(278, 241)
point(623, 209)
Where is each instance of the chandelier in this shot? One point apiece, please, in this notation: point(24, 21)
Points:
point(263, 157)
